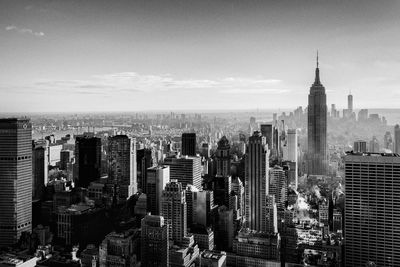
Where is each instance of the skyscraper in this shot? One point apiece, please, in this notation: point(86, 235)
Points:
point(397, 139)
point(317, 125)
point(122, 165)
point(174, 210)
point(374, 145)
point(372, 209)
point(350, 103)
point(222, 180)
point(154, 241)
point(188, 144)
point(278, 186)
point(360, 146)
point(144, 159)
point(186, 169)
point(87, 160)
point(157, 179)
point(292, 145)
point(39, 170)
point(15, 179)
point(267, 131)
point(256, 182)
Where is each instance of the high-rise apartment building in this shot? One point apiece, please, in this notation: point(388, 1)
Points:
point(188, 144)
point(15, 179)
point(317, 126)
point(256, 182)
point(372, 209)
point(157, 179)
point(154, 241)
point(185, 169)
point(87, 160)
point(122, 165)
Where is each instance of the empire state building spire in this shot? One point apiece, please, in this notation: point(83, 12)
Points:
point(317, 80)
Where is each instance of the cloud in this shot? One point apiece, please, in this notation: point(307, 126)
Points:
point(127, 83)
point(24, 30)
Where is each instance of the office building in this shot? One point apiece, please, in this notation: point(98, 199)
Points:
point(188, 144)
point(15, 179)
point(317, 126)
point(397, 139)
point(185, 169)
point(292, 145)
point(120, 248)
point(388, 141)
point(278, 186)
point(372, 212)
point(39, 170)
point(87, 160)
point(360, 146)
point(65, 158)
point(154, 241)
point(203, 204)
point(157, 179)
point(174, 210)
point(122, 165)
point(145, 159)
point(267, 132)
point(350, 103)
point(256, 182)
point(374, 145)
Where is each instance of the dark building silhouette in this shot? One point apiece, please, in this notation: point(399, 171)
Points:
point(39, 170)
point(317, 126)
point(15, 179)
point(188, 144)
point(144, 161)
point(267, 131)
point(88, 160)
point(222, 180)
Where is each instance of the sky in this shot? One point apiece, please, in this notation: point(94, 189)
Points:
point(128, 55)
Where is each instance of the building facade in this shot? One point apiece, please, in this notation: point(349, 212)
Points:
point(15, 179)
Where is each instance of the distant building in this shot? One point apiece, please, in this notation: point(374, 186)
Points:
point(374, 145)
point(360, 146)
point(372, 183)
point(157, 179)
point(397, 139)
point(222, 180)
point(88, 160)
point(292, 145)
point(188, 144)
point(388, 141)
point(154, 241)
point(65, 158)
point(267, 132)
point(15, 179)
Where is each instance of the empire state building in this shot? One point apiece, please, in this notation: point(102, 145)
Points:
point(317, 124)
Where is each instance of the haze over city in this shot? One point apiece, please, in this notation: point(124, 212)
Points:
point(81, 56)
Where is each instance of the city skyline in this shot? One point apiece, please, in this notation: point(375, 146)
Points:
point(153, 55)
